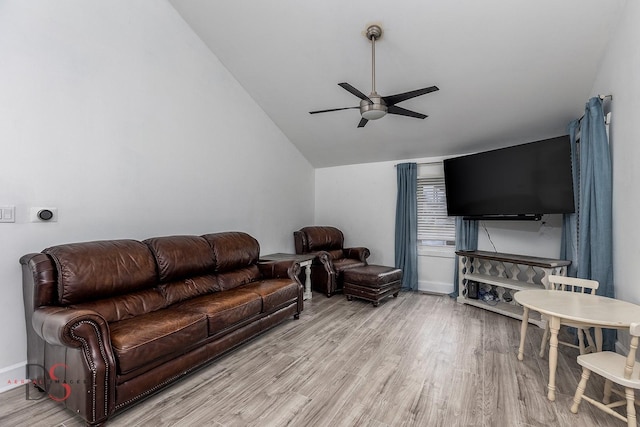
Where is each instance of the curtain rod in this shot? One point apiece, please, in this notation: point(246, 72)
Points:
point(419, 164)
point(602, 97)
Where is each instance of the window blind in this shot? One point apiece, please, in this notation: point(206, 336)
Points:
point(435, 228)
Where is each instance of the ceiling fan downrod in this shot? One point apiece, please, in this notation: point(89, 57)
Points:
point(374, 32)
point(373, 107)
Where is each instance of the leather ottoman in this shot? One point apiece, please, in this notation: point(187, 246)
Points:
point(372, 282)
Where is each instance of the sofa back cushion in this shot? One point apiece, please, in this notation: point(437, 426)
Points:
point(323, 238)
point(189, 287)
point(126, 306)
point(93, 270)
point(235, 278)
point(236, 256)
point(186, 266)
point(233, 250)
point(181, 256)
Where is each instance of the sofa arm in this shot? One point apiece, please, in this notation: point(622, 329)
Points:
point(82, 338)
point(358, 253)
point(280, 270)
point(324, 258)
point(59, 325)
point(300, 242)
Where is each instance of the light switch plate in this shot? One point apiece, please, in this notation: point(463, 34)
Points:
point(7, 214)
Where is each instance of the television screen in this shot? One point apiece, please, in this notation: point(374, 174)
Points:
point(523, 180)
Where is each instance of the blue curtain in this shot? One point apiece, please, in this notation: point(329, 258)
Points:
point(595, 253)
point(569, 238)
point(466, 240)
point(593, 258)
point(406, 256)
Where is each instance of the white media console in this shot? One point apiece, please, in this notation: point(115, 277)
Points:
point(501, 275)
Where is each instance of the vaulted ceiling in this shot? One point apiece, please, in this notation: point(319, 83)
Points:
point(509, 71)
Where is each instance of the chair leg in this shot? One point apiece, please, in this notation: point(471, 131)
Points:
point(598, 334)
point(592, 348)
point(581, 340)
point(631, 408)
point(545, 339)
point(606, 399)
point(577, 398)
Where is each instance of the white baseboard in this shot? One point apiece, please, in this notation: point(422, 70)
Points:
point(435, 287)
point(12, 376)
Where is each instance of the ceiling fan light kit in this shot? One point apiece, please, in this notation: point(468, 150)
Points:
point(375, 110)
point(375, 106)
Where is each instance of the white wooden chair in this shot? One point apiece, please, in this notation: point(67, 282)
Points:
point(615, 368)
point(571, 284)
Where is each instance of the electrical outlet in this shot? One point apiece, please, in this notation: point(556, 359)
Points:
point(44, 215)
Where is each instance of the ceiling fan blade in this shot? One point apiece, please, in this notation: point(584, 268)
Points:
point(332, 109)
point(363, 122)
point(394, 99)
point(393, 109)
point(354, 91)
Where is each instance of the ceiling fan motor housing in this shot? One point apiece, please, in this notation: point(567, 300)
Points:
point(375, 110)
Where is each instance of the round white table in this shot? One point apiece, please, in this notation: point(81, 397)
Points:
point(592, 310)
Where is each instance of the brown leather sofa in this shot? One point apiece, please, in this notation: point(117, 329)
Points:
point(332, 259)
point(110, 322)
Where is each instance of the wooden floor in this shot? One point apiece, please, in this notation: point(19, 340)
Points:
point(417, 360)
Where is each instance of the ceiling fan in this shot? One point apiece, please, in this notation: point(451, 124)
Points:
point(375, 106)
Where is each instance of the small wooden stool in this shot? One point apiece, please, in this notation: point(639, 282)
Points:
point(372, 282)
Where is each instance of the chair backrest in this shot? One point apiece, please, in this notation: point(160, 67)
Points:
point(563, 283)
point(318, 238)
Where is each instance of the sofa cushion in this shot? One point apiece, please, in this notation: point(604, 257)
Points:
point(145, 338)
point(126, 306)
point(323, 238)
point(181, 256)
point(94, 270)
point(374, 276)
point(233, 279)
point(233, 250)
point(224, 309)
point(274, 292)
point(181, 290)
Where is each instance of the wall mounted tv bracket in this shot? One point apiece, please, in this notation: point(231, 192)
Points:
point(531, 217)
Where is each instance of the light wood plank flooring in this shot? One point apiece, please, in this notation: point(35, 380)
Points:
point(417, 360)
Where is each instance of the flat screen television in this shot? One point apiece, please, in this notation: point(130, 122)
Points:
point(520, 182)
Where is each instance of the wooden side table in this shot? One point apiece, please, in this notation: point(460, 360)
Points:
point(506, 274)
point(304, 261)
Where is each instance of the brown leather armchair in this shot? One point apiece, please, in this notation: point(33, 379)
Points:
point(332, 259)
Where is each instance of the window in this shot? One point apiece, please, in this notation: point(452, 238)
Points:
point(435, 228)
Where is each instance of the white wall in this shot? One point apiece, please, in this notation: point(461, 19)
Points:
point(361, 201)
point(534, 238)
point(117, 114)
point(619, 75)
